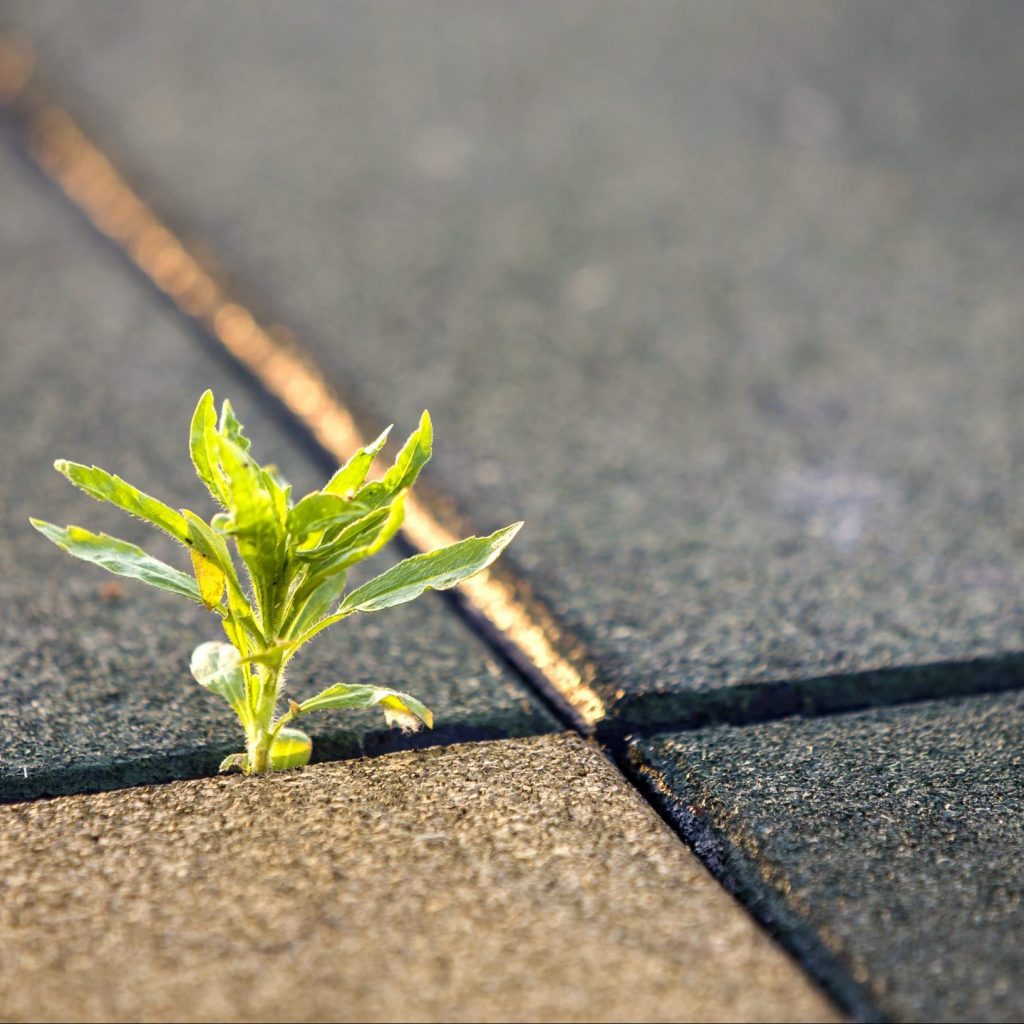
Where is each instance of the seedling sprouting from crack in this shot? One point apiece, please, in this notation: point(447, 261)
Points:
point(295, 557)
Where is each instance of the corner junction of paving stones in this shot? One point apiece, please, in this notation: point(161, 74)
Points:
point(828, 554)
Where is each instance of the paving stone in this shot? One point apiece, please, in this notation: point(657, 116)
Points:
point(513, 880)
point(96, 689)
point(723, 300)
point(888, 839)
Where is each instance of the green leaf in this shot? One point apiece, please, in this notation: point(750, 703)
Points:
point(359, 540)
point(399, 708)
point(107, 487)
point(254, 515)
point(313, 600)
point(202, 446)
point(217, 667)
point(291, 749)
point(212, 546)
point(230, 427)
point(119, 557)
point(351, 476)
point(415, 454)
point(435, 570)
point(270, 656)
point(317, 512)
point(278, 488)
point(240, 761)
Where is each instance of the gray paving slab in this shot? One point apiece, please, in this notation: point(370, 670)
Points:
point(519, 880)
point(96, 690)
point(723, 299)
point(888, 839)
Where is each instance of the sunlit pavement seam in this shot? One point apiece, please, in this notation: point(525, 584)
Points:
point(497, 599)
point(526, 631)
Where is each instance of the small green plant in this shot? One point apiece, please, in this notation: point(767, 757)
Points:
point(295, 556)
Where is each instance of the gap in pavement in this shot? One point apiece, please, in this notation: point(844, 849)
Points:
point(742, 705)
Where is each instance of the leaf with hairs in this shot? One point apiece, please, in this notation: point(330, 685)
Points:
point(415, 454)
point(105, 486)
point(399, 708)
point(217, 667)
point(347, 480)
point(119, 557)
point(202, 446)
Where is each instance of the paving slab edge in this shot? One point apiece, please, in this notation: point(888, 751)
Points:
point(95, 775)
point(755, 702)
point(610, 720)
point(744, 703)
point(737, 872)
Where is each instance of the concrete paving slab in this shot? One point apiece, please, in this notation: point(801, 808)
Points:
point(514, 880)
point(891, 837)
point(96, 690)
point(722, 299)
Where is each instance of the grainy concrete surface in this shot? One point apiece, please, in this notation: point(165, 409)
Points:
point(95, 689)
point(516, 880)
point(895, 835)
point(722, 298)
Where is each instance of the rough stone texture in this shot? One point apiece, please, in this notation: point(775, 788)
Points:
point(893, 835)
point(724, 300)
point(518, 880)
point(95, 684)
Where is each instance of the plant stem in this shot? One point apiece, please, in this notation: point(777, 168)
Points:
point(259, 753)
point(261, 733)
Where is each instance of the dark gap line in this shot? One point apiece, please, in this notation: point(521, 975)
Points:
point(761, 702)
point(737, 705)
point(738, 875)
point(203, 763)
point(94, 775)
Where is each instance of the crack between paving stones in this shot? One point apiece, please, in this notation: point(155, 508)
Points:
point(499, 606)
point(755, 886)
point(499, 601)
point(816, 696)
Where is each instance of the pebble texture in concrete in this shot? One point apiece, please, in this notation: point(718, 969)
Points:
point(516, 880)
point(96, 690)
point(895, 836)
point(724, 300)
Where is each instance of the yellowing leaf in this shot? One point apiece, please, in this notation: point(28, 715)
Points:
point(291, 749)
point(210, 579)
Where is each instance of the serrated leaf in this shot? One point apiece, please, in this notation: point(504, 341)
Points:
point(291, 749)
point(119, 557)
point(110, 488)
point(398, 707)
point(202, 446)
point(435, 570)
point(230, 428)
point(352, 475)
point(210, 579)
point(217, 667)
point(415, 454)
